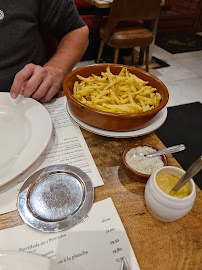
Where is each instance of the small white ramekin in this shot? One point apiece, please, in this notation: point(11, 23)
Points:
point(162, 206)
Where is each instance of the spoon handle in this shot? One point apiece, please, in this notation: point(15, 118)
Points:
point(172, 149)
point(191, 172)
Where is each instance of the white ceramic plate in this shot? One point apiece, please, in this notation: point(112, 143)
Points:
point(25, 130)
point(158, 121)
point(10, 260)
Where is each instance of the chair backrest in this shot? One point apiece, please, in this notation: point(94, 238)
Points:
point(131, 11)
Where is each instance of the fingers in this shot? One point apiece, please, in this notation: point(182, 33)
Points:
point(38, 76)
point(40, 83)
point(20, 79)
point(43, 88)
point(49, 94)
point(49, 87)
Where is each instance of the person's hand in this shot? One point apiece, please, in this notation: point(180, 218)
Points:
point(40, 83)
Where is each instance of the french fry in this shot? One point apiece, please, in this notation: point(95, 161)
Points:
point(122, 93)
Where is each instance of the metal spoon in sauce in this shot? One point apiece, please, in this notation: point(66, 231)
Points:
point(172, 149)
point(191, 172)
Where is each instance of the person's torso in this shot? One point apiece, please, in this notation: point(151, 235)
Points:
point(20, 38)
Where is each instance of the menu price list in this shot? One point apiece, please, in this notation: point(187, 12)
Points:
point(98, 242)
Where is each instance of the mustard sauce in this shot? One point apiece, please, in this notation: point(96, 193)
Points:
point(167, 181)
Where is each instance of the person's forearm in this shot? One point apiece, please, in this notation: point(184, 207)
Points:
point(70, 50)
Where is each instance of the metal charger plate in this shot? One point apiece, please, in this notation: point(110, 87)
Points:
point(55, 198)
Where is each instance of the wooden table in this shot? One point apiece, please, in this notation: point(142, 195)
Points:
point(157, 246)
point(99, 3)
point(103, 4)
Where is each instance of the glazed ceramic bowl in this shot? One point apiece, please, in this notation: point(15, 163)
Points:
point(109, 120)
point(133, 174)
point(164, 207)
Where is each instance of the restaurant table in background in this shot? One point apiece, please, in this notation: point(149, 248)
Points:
point(106, 4)
point(157, 245)
point(99, 3)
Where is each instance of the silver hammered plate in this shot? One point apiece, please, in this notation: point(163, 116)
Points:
point(55, 198)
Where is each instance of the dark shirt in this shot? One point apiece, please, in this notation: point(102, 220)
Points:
point(21, 25)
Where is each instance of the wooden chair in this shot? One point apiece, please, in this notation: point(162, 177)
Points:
point(129, 25)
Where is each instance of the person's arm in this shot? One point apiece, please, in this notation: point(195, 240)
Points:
point(42, 83)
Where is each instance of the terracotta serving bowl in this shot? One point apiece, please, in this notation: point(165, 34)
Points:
point(109, 120)
point(135, 175)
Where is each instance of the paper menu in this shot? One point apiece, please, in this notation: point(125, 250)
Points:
point(99, 242)
point(66, 146)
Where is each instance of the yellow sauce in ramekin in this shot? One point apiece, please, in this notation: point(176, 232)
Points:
point(167, 181)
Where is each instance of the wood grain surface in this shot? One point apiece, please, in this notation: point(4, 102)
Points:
point(157, 245)
point(99, 3)
point(103, 4)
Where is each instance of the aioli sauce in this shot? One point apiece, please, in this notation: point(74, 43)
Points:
point(167, 181)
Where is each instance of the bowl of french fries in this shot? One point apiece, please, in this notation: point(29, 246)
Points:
point(114, 97)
